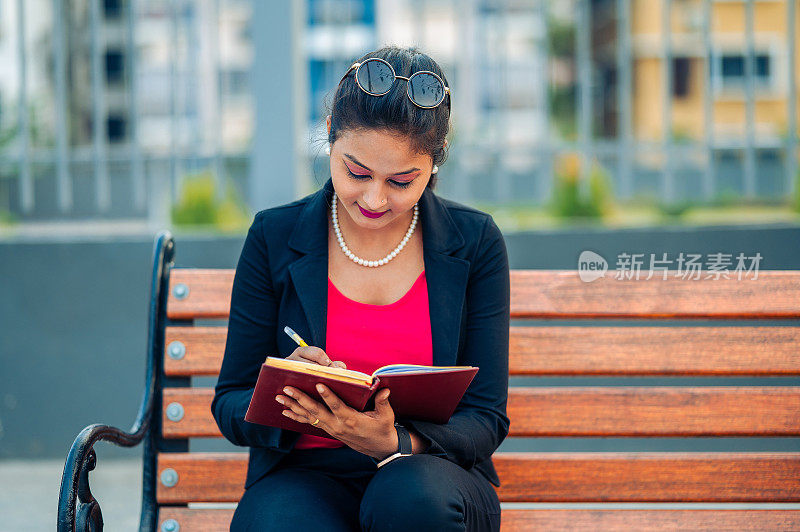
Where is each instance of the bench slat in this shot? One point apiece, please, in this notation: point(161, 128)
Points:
point(625, 520)
point(197, 519)
point(554, 477)
point(582, 350)
point(650, 477)
point(197, 421)
point(659, 411)
point(204, 348)
point(635, 411)
point(701, 350)
point(209, 293)
point(561, 294)
point(218, 519)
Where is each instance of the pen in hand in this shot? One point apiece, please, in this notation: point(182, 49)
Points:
point(294, 336)
point(316, 355)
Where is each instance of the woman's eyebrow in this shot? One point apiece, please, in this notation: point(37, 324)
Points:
point(369, 169)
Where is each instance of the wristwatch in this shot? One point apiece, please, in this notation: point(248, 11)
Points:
point(404, 447)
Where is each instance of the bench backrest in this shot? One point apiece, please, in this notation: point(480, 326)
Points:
point(543, 345)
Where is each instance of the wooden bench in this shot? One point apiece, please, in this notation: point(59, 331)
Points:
point(172, 411)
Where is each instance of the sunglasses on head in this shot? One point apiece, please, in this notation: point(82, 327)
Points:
point(375, 76)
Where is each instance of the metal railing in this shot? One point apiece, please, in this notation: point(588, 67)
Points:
point(147, 180)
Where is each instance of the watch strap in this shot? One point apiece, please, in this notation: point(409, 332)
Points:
point(404, 440)
point(404, 447)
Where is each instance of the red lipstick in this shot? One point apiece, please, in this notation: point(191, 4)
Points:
point(370, 214)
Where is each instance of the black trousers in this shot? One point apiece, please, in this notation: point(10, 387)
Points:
point(342, 490)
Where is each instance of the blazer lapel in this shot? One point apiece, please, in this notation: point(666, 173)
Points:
point(309, 276)
point(309, 273)
point(446, 275)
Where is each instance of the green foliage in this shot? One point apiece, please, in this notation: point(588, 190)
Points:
point(601, 191)
point(198, 205)
point(561, 37)
point(569, 200)
point(727, 197)
point(38, 136)
point(796, 197)
point(562, 111)
point(561, 48)
point(675, 209)
point(38, 133)
point(681, 136)
point(8, 218)
point(7, 136)
point(724, 199)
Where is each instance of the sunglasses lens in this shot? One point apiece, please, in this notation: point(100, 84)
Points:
point(425, 89)
point(375, 77)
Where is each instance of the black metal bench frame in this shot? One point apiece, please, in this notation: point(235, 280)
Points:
point(78, 510)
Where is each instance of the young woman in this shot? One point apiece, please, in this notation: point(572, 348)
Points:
point(372, 269)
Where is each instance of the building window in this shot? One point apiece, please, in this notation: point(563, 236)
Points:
point(318, 78)
point(341, 12)
point(112, 9)
point(115, 67)
point(730, 71)
point(117, 128)
point(762, 67)
point(235, 82)
point(681, 76)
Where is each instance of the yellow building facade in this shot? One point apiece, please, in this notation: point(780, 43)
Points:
point(728, 87)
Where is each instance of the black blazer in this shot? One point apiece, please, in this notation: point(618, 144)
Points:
point(281, 279)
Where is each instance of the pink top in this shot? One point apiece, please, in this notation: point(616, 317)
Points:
point(366, 337)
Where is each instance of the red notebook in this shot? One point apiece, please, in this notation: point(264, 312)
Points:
point(427, 393)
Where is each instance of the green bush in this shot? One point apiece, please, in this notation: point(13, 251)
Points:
point(726, 198)
point(601, 193)
point(675, 209)
point(8, 218)
point(198, 205)
point(568, 199)
point(562, 111)
point(796, 198)
point(681, 136)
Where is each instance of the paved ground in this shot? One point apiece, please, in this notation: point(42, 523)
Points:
point(29, 493)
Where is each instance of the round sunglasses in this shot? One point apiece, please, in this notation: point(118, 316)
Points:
point(375, 76)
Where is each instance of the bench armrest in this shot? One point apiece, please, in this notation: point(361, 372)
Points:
point(147, 426)
point(75, 479)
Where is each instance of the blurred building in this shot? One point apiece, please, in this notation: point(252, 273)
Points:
point(727, 68)
point(337, 32)
point(689, 86)
point(37, 54)
point(122, 100)
point(117, 93)
point(194, 70)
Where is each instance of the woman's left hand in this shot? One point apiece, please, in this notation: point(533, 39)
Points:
point(371, 433)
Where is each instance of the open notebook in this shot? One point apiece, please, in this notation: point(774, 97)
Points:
point(428, 393)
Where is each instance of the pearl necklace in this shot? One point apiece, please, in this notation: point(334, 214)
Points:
point(371, 263)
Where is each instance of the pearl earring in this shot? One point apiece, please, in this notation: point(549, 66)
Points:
point(435, 169)
point(328, 149)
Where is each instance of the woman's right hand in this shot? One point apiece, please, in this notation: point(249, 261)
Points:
point(315, 355)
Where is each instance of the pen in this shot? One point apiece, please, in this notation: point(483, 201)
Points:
point(294, 336)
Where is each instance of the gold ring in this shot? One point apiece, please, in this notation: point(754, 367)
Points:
point(315, 422)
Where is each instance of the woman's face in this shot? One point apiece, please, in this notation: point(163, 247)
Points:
point(378, 177)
